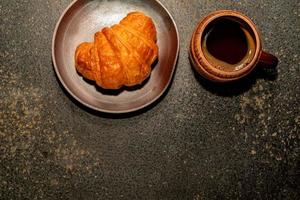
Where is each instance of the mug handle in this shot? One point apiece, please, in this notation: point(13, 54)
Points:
point(268, 59)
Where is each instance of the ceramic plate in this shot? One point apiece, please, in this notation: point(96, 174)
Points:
point(81, 20)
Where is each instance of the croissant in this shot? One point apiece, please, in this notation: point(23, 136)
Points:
point(121, 55)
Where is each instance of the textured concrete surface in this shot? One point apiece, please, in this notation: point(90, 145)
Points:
point(201, 141)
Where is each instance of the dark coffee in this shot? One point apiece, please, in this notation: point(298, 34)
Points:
point(228, 45)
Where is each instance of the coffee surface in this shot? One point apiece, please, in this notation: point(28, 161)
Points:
point(228, 45)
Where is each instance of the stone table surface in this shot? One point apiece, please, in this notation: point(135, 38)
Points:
point(201, 141)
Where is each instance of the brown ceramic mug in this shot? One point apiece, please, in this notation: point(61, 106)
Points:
point(226, 46)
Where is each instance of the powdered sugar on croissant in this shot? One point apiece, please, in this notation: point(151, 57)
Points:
point(121, 55)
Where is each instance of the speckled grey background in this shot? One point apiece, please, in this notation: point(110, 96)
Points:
point(201, 141)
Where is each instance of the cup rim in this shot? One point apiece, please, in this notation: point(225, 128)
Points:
point(204, 64)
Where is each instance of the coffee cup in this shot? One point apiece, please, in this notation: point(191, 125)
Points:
point(226, 46)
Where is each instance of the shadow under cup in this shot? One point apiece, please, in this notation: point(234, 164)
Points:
point(226, 46)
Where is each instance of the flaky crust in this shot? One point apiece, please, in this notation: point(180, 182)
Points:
point(121, 55)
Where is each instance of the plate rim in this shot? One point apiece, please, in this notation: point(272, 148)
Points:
point(107, 110)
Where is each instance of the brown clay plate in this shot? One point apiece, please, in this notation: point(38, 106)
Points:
point(81, 20)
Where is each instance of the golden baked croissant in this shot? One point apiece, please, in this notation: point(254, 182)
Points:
point(121, 55)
